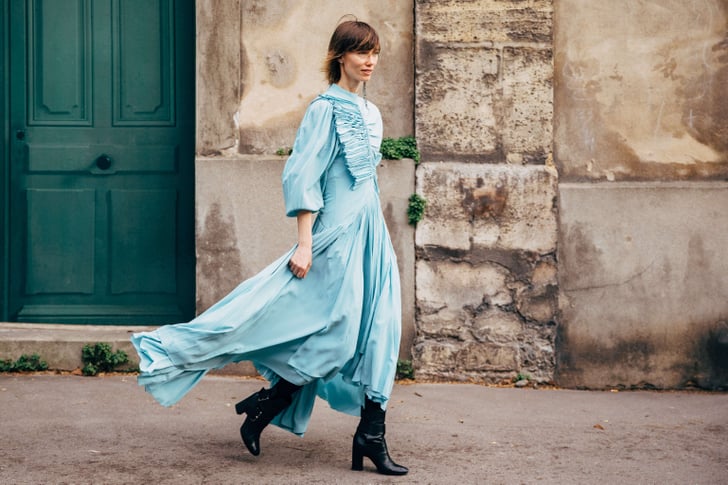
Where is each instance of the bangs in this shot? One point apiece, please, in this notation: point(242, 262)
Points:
point(355, 36)
point(370, 42)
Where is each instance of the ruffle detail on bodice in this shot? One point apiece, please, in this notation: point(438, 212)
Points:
point(361, 158)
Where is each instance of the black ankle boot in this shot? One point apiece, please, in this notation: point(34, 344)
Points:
point(369, 441)
point(261, 408)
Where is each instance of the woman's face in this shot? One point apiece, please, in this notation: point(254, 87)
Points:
point(358, 66)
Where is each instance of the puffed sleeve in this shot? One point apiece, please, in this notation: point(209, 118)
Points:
point(314, 148)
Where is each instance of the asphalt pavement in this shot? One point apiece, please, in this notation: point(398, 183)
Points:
point(67, 429)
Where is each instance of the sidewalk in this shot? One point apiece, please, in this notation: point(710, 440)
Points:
point(106, 430)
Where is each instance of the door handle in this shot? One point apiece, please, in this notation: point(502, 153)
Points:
point(103, 162)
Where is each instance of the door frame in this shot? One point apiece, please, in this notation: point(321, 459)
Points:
point(4, 157)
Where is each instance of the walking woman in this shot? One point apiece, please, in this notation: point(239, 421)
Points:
point(325, 318)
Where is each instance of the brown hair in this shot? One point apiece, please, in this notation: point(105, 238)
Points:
point(349, 36)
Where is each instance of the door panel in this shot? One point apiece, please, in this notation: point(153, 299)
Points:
point(102, 225)
point(60, 243)
point(59, 62)
point(141, 239)
point(84, 158)
point(144, 67)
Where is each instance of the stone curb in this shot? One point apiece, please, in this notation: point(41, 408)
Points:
point(60, 345)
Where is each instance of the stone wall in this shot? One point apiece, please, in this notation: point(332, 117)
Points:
point(486, 251)
point(641, 90)
point(610, 273)
point(641, 143)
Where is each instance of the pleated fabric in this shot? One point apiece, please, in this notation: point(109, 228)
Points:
point(335, 332)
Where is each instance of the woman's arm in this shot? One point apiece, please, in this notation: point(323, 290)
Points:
point(300, 262)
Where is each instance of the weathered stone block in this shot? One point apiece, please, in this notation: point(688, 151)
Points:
point(483, 79)
point(544, 274)
point(493, 206)
point(477, 326)
point(506, 21)
point(536, 355)
point(537, 303)
point(456, 96)
point(644, 281)
point(497, 326)
point(443, 360)
point(447, 289)
point(486, 277)
point(431, 324)
point(479, 357)
point(641, 96)
point(476, 100)
point(527, 104)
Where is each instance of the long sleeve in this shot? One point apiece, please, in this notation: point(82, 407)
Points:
point(313, 150)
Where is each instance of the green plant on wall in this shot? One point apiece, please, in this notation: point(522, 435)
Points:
point(25, 363)
point(398, 148)
point(99, 357)
point(405, 370)
point(521, 377)
point(416, 209)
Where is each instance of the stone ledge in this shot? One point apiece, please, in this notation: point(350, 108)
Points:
point(60, 345)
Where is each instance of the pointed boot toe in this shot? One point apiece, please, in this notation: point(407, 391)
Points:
point(251, 438)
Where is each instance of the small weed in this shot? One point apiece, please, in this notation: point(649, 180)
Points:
point(405, 370)
point(99, 358)
point(396, 149)
point(416, 209)
point(25, 363)
point(521, 377)
point(284, 151)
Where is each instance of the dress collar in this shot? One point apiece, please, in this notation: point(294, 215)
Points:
point(338, 92)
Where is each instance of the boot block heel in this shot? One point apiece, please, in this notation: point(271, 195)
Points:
point(246, 404)
point(376, 451)
point(357, 460)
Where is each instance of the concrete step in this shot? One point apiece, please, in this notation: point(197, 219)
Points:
point(60, 345)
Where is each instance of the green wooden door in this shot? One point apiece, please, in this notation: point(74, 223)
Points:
point(101, 161)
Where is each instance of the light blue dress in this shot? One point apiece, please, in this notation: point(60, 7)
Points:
point(337, 331)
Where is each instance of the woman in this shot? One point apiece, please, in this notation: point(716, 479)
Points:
point(325, 318)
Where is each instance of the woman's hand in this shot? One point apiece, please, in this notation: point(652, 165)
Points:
point(300, 262)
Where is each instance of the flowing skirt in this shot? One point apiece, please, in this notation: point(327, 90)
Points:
point(336, 332)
